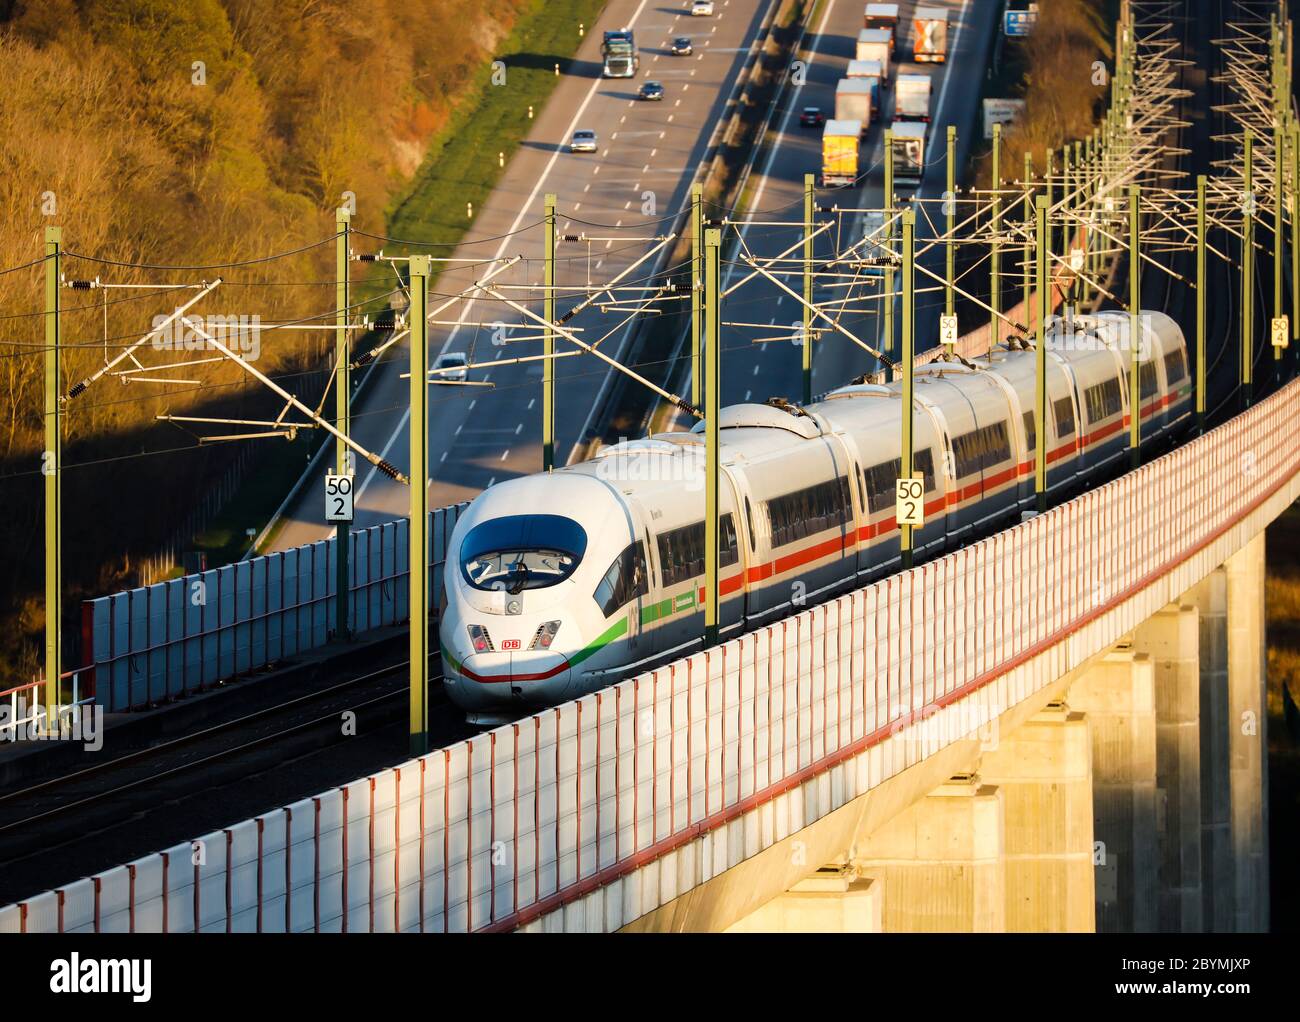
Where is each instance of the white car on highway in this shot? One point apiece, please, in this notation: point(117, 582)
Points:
point(583, 141)
point(451, 366)
point(702, 8)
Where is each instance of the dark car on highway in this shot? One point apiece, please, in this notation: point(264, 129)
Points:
point(682, 46)
point(651, 90)
point(812, 117)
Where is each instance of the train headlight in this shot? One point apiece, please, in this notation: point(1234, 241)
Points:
point(545, 635)
point(479, 639)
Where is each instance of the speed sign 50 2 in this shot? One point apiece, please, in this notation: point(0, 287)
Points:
point(338, 498)
point(909, 502)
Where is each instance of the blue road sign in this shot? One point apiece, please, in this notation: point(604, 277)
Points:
point(1019, 23)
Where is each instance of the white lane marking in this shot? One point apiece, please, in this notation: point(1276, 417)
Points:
point(577, 206)
point(531, 401)
point(491, 481)
point(947, 77)
point(472, 404)
point(443, 458)
point(505, 454)
point(586, 188)
point(519, 429)
point(458, 429)
point(676, 103)
point(670, 120)
point(747, 393)
point(524, 210)
point(755, 370)
point(622, 119)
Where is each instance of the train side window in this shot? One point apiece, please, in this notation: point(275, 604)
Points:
point(749, 520)
point(1147, 383)
point(805, 512)
point(1064, 417)
point(624, 581)
point(1030, 434)
point(681, 551)
point(1103, 400)
point(997, 444)
point(1175, 366)
point(966, 452)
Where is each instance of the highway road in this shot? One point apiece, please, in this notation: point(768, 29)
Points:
point(480, 435)
point(756, 371)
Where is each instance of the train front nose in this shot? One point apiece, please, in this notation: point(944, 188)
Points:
point(497, 686)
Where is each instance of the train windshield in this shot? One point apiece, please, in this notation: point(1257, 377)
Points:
point(522, 552)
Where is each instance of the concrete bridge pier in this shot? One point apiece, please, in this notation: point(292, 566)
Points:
point(835, 899)
point(1044, 771)
point(1171, 639)
point(1118, 695)
point(1247, 735)
point(1210, 597)
point(941, 861)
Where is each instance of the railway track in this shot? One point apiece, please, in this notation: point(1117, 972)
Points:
point(107, 812)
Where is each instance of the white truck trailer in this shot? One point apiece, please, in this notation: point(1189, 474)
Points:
point(909, 152)
point(872, 72)
point(853, 101)
point(874, 44)
point(912, 98)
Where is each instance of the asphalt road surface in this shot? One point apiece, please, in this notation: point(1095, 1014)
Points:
point(480, 435)
point(755, 371)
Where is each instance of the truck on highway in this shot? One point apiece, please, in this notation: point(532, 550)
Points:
point(882, 16)
point(874, 44)
point(930, 35)
point(908, 152)
point(619, 52)
point(840, 153)
point(912, 98)
point(871, 71)
point(853, 101)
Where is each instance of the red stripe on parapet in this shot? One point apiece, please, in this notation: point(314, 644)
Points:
point(691, 833)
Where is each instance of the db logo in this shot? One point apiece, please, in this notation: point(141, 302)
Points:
point(510, 644)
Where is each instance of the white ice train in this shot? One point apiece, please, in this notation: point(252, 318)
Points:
point(558, 585)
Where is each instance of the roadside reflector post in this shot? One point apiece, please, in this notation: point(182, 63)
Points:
point(995, 248)
point(712, 409)
point(1134, 328)
point(1040, 361)
point(887, 313)
point(697, 290)
point(806, 340)
point(909, 372)
point(417, 534)
point(343, 456)
point(1201, 182)
point(548, 342)
point(52, 470)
